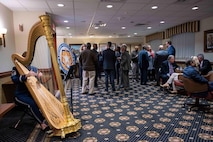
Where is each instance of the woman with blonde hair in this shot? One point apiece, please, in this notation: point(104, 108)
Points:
point(175, 75)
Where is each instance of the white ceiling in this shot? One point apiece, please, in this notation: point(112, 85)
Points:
point(81, 14)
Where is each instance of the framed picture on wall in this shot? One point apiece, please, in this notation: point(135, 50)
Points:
point(103, 46)
point(76, 48)
point(208, 41)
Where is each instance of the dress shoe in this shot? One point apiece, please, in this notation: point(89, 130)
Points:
point(173, 92)
point(92, 93)
point(84, 93)
point(166, 85)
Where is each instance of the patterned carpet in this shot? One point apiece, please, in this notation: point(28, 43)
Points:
point(142, 114)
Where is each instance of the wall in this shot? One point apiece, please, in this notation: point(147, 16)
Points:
point(99, 40)
point(27, 19)
point(6, 21)
point(205, 24)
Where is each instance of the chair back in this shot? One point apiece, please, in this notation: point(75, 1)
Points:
point(194, 87)
point(209, 76)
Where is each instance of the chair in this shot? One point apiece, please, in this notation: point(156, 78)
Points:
point(179, 85)
point(25, 110)
point(197, 91)
point(209, 76)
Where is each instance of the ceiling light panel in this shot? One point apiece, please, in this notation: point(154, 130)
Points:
point(109, 6)
point(32, 4)
point(195, 8)
point(60, 5)
point(54, 4)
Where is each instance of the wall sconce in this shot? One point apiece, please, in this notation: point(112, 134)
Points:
point(3, 31)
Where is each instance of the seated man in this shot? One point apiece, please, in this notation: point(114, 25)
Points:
point(24, 97)
point(175, 75)
point(205, 65)
point(192, 73)
point(167, 68)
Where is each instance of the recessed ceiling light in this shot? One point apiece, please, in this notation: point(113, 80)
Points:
point(102, 24)
point(128, 36)
point(66, 21)
point(135, 33)
point(60, 5)
point(162, 22)
point(68, 28)
point(91, 36)
point(195, 8)
point(154, 7)
point(123, 28)
point(110, 36)
point(149, 28)
point(109, 6)
point(96, 27)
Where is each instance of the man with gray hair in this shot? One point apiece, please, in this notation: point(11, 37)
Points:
point(205, 65)
point(125, 67)
point(167, 68)
point(135, 68)
point(160, 56)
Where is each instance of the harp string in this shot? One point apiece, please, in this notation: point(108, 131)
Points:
point(43, 62)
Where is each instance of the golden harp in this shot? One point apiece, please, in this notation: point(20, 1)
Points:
point(57, 113)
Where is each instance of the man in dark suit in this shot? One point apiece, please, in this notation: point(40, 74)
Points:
point(109, 65)
point(160, 56)
point(167, 68)
point(170, 48)
point(191, 72)
point(205, 65)
point(95, 48)
point(143, 61)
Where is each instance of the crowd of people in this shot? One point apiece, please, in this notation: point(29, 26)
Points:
point(116, 65)
point(143, 63)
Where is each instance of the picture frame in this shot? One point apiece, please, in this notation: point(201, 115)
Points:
point(103, 46)
point(208, 41)
point(76, 48)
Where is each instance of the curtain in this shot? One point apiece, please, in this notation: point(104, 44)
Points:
point(184, 44)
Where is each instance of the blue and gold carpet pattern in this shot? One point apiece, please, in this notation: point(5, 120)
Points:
point(142, 114)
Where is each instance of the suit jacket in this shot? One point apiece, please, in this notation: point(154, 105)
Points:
point(165, 67)
point(192, 73)
point(125, 61)
point(109, 59)
point(88, 60)
point(134, 56)
point(171, 50)
point(143, 59)
point(160, 56)
point(206, 67)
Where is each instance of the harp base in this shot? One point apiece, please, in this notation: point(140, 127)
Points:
point(67, 129)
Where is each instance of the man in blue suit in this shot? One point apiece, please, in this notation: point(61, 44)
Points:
point(170, 48)
point(143, 61)
point(167, 68)
point(160, 56)
point(109, 65)
point(192, 73)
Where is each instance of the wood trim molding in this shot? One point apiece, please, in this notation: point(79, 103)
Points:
point(5, 74)
point(8, 73)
